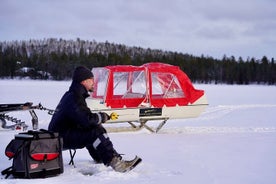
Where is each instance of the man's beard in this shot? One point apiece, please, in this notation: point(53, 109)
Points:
point(91, 90)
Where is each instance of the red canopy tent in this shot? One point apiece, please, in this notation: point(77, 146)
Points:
point(153, 84)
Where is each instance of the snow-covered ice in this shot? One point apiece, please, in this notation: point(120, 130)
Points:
point(233, 141)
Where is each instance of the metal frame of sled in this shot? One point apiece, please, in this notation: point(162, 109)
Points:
point(136, 126)
point(157, 120)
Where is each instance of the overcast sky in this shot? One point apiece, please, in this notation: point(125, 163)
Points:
point(245, 28)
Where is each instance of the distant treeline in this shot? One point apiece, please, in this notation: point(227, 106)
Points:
point(56, 58)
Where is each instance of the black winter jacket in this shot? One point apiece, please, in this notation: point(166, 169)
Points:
point(72, 111)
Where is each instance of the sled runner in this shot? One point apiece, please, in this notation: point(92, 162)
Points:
point(138, 94)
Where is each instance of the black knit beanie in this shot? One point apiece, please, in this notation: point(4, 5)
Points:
point(81, 73)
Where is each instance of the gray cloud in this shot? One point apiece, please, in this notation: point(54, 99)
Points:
point(214, 27)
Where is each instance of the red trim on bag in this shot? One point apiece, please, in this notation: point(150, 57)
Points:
point(44, 156)
point(9, 154)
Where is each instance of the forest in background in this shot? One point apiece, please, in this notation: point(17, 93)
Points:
point(55, 59)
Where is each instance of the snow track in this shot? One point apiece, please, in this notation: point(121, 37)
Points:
point(222, 110)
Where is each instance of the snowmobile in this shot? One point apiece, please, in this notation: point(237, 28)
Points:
point(150, 92)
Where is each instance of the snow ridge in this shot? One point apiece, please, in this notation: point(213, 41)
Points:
point(219, 111)
point(221, 130)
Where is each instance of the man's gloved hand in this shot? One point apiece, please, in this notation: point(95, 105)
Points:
point(104, 117)
point(114, 116)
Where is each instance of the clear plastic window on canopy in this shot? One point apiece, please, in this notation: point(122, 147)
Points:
point(129, 84)
point(166, 85)
point(101, 79)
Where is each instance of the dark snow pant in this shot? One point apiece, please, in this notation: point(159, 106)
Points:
point(95, 140)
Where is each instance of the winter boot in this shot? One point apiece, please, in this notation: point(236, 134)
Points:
point(122, 166)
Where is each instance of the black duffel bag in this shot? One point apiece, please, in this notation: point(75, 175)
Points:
point(35, 154)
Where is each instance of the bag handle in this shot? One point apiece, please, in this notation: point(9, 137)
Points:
point(49, 132)
point(36, 133)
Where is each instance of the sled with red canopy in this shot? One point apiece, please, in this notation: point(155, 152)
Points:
point(138, 94)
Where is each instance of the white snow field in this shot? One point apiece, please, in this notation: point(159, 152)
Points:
point(232, 142)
